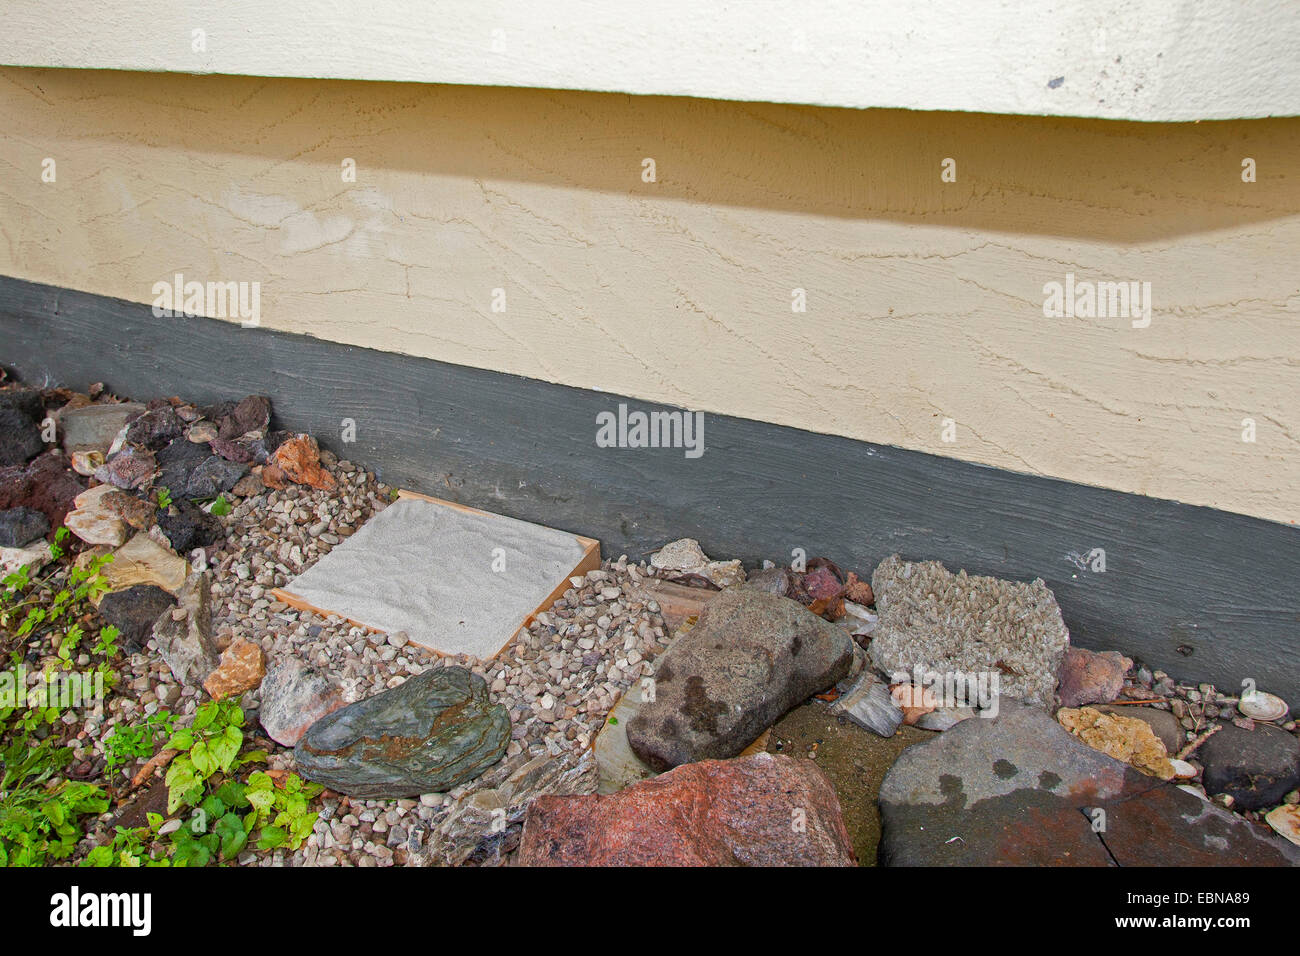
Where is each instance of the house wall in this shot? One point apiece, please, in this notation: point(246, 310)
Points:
point(1121, 59)
point(924, 298)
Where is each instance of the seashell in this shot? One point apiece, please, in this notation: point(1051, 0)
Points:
point(1262, 706)
point(87, 462)
point(869, 704)
point(1286, 821)
point(944, 718)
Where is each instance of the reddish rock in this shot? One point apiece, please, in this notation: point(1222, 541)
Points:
point(129, 468)
point(136, 512)
point(822, 584)
point(295, 696)
point(251, 414)
point(1089, 677)
point(48, 485)
point(231, 451)
point(763, 810)
point(859, 592)
point(298, 459)
point(242, 667)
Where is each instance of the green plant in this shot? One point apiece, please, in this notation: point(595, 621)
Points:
point(220, 507)
point(40, 819)
point(126, 849)
point(226, 817)
point(57, 607)
point(282, 812)
point(163, 497)
point(129, 744)
point(208, 746)
point(42, 604)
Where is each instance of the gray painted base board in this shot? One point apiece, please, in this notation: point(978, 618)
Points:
point(1220, 586)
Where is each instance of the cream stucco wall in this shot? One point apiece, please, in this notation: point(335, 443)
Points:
point(924, 298)
point(1123, 59)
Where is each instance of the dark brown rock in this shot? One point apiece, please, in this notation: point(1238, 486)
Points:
point(21, 526)
point(750, 657)
point(155, 429)
point(251, 414)
point(20, 436)
point(1255, 767)
point(48, 484)
point(762, 810)
point(187, 526)
point(232, 450)
point(134, 611)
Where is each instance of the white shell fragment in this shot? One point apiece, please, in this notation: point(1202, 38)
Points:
point(1286, 821)
point(1262, 706)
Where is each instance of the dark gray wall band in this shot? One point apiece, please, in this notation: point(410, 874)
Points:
point(1220, 587)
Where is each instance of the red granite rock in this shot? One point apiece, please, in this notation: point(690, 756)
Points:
point(761, 810)
point(1090, 677)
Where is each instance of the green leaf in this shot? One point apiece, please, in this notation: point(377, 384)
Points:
point(272, 838)
point(204, 761)
point(253, 756)
point(191, 853)
point(213, 806)
point(181, 740)
point(233, 836)
point(260, 799)
point(180, 779)
point(205, 716)
point(225, 749)
point(231, 793)
point(100, 856)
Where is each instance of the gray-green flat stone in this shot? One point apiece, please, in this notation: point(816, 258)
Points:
point(432, 733)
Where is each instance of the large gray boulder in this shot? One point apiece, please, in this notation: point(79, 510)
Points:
point(749, 658)
point(1020, 789)
point(437, 730)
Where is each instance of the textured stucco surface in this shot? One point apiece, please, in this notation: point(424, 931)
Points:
point(924, 298)
point(1124, 59)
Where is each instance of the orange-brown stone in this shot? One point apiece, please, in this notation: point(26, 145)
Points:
point(242, 667)
point(299, 460)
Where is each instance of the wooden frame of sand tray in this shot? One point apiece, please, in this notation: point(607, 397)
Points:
point(484, 577)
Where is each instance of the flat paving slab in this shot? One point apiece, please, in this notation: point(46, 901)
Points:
point(455, 579)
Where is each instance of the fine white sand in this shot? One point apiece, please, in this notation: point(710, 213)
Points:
point(428, 570)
